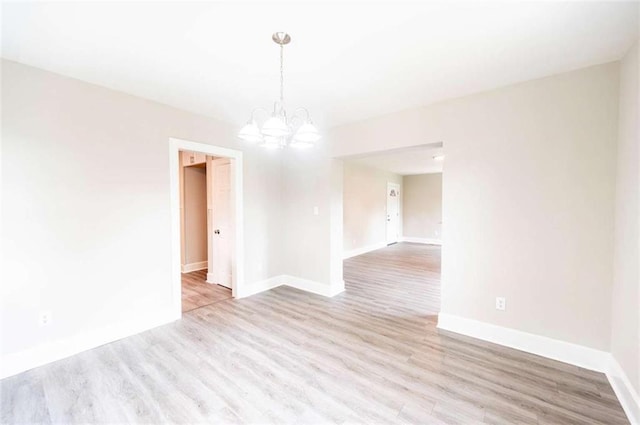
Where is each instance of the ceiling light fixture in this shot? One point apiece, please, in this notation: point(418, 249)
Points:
point(438, 157)
point(277, 130)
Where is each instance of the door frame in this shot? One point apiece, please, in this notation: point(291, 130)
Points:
point(391, 185)
point(237, 266)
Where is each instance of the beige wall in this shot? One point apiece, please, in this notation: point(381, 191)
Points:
point(625, 329)
point(527, 199)
point(422, 206)
point(310, 250)
point(86, 217)
point(365, 205)
point(195, 214)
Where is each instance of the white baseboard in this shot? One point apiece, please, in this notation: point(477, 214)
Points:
point(192, 267)
point(363, 250)
point(428, 241)
point(313, 286)
point(261, 286)
point(578, 355)
point(294, 282)
point(14, 363)
point(627, 395)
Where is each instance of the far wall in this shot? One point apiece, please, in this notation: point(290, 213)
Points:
point(422, 207)
point(365, 205)
point(195, 215)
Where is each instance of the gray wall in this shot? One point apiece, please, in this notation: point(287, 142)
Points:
point(625, 337)
point(422, 206)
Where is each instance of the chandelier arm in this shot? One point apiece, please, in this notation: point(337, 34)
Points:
point(305, 110)
point(295, 117)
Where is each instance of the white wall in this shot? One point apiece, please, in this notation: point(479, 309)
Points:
point(527, 199)
point(422, 207)
point(86, 228)
point(365, 205)
point(625, 326)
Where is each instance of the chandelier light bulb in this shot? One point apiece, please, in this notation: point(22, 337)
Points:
point(306, 136)
point(251, 133)
point(275, 127)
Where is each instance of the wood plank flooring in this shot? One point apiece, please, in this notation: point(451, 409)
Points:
point(369, 355)
point(196, 292)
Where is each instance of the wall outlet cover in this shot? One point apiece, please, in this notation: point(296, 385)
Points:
point(45, 318)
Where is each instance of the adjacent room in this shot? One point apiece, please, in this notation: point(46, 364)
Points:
point(205, 226)
point(263, 213)
point(392, 218)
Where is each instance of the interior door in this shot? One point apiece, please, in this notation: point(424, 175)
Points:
point(220, 222)
point(393, 213)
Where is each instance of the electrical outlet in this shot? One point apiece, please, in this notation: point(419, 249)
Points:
point(316, 211)
point(501, 303)
point(45, 318)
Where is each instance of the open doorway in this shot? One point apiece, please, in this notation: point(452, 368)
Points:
point(205, 229)
point(206, 198)
point(392, 225)
point(393, 213)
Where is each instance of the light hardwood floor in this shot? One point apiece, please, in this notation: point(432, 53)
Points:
point(196, 292)
point(369, 355)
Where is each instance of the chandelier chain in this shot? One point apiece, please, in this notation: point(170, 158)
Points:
point(282, 76)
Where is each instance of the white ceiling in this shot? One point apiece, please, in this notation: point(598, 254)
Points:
point(347, 61)
point(409, 161)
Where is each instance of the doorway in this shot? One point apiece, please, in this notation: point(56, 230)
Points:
point(205, 229)
point(393, 213)
point(206, 200)
point(392, 225)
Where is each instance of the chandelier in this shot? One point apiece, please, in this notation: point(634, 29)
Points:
point(279, 130)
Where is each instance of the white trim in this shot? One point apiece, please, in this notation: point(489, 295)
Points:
point(428, 241)
point(627, 395)
point(14, 363)
point(578, 355)
point(363, 250)
point(175, 146)
point(313, 286)
point(260, 286)
point(294, 282)
point(192, 267)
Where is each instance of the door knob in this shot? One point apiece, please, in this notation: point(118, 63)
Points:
point(217, 231)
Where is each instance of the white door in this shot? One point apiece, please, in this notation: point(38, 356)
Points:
point(393, 213)
point(220, 222)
